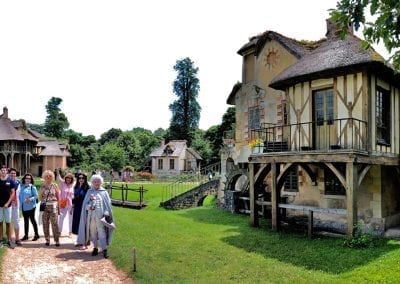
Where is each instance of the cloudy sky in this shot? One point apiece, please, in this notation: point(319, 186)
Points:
point(112, 62)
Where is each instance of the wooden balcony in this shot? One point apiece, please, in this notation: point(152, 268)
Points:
point(348, 134)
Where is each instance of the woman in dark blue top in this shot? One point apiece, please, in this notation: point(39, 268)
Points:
point(80, 189)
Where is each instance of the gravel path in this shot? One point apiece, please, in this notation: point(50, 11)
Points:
point(33, 262)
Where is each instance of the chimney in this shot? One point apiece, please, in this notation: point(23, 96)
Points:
point(162, 142)
point(332, 29)
point(5, 112)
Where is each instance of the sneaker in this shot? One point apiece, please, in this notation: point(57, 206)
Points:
point(95, 252)
point(57, 244)
point(10, 245)
point(25, 238)
point(47, 243)
point(105, 253)
point(18, 243)
point(35, 238)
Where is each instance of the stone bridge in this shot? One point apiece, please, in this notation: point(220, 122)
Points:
point(193, 197)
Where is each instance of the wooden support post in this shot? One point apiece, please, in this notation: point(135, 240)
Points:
point(310, 223)
point(274, 199)
point(122, 193)
point(351, 189)
point(134, 259)
point(253, 208)
point(141, 195)
point(126, 192)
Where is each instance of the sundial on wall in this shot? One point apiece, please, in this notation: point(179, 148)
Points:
point(271, 58)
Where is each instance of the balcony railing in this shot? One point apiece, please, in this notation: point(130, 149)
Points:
point(322, 135)
point(8, 148)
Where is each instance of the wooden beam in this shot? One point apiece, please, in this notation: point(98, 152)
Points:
point(274, 199)
point(363, 173)
point(253, 206)
point(282, 174)
point(351, 189)
point(311, 174)
point(337, 174)
point(310, 223)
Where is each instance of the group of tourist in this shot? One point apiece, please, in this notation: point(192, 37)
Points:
point(88, 208)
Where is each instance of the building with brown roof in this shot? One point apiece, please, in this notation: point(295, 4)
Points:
point(28, 151)
point(317, 135)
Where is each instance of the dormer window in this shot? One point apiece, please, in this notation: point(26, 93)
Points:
point(168, 150)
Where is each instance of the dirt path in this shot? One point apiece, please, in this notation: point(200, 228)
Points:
point(34, 262)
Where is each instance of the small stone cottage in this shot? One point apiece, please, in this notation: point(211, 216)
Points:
point(174, 158)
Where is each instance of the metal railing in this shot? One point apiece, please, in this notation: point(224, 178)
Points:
point(322, 135)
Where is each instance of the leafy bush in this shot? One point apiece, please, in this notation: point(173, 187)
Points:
point(361, 239)
point(144, 175)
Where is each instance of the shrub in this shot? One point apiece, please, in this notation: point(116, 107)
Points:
point(144, 176)
point(361, 239)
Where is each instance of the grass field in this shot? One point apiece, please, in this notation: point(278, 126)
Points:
point(206, 245)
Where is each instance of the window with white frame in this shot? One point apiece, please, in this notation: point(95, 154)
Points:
point(160, 164)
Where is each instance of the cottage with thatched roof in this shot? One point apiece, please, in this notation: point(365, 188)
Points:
point(174, 158)
point(328, 121)
point(26, 150)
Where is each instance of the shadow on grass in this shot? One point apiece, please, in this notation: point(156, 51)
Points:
point(320, 253)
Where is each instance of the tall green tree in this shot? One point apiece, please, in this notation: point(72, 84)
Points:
point(36, 127)
point(113, 155)
point(216, 133)
point(385, 26)
point(56, 122)
point(110, 135)
point(185, 110)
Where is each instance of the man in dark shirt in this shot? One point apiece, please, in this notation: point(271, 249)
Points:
point(12, 174)
point(7, 193)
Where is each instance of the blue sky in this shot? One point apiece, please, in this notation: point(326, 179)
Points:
point(112, 61)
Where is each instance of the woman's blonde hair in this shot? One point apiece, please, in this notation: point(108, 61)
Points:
point(48, 173)
point(69, 175)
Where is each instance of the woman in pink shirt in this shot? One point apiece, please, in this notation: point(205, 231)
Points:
point(66, 186)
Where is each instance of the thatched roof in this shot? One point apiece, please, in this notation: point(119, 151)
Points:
point(297, 48)
point(53, 148)
point(8, 131)
point(334, 56)
point(230, 100)
point(15, 130)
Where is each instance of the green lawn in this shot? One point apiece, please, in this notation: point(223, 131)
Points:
point(206, 245)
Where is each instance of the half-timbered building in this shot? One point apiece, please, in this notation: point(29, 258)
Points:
point(317, 134)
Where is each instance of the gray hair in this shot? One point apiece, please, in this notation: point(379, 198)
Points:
point(98, 177)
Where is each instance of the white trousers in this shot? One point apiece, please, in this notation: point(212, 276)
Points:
point(67, 211)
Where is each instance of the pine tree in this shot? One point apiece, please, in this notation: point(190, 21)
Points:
point(185, 110)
